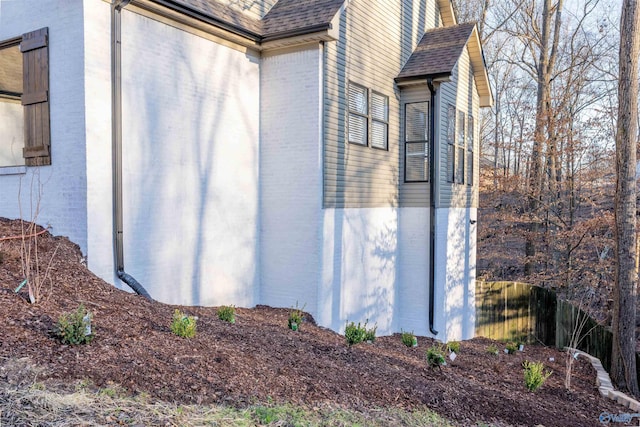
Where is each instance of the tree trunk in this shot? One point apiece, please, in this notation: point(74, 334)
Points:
point(623, 361)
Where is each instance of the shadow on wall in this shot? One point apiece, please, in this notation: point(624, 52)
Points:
point(190, 201)
point(459, 288)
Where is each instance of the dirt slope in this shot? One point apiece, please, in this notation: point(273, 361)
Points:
point(258, 359)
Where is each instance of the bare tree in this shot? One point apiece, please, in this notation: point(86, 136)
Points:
point(623, 361)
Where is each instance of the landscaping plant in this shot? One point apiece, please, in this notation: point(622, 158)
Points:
point(182, 325)
point(534, 375)
point(75, 328)
point(370, 334)
point(492, 349)
point(295, 318)
point(511, 347)
point(435, 356)
point(354, 334)
point(409, 339)
point(227, 313)
point(454, 346)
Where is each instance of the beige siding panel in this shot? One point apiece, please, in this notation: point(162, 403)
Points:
point(461, 92)
point(376, 39)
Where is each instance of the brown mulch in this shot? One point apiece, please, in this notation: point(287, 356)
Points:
point(258, 359)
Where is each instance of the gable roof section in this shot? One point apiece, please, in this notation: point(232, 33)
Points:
point(438, 52)
point(295, 17)
point(287, 18)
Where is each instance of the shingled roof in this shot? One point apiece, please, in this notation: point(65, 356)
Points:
point(288, 16)
point(438, 52)
point(285, 19)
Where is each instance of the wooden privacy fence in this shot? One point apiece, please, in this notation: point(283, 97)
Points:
point(512, 311)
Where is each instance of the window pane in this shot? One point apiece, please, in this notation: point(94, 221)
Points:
point(450, 162)
point(451, 125)
point(358, 99)
point(11, 71)
point(470, 134)
point(459, 165)
point(379, 107)
point(417, 122)
point(378, 134)
point(357, 129)
point(11, 110)
point(417, 161)
point(470, 167)
point(460, 129)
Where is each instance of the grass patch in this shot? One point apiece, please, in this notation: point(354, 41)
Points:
point(46, 405)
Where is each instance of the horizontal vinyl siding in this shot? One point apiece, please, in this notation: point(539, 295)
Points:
point(460, 92)
point(376, 39)
point(412, 194)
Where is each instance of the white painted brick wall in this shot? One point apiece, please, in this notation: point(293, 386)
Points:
point(97, 66)
point(455, 273)
point(190, 150)
point(291, 178)
point(63, 184)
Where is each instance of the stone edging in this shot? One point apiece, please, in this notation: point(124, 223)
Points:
point(604, 383)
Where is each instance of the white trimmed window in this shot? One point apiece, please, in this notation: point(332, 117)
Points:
point(451, 143)
point(470, 144)
point(379, 121)
point(358, 114)
point(416, 142)
point(368, 122)
point(25, 136)
point(460, 148)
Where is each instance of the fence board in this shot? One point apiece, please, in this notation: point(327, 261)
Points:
point(511, 311)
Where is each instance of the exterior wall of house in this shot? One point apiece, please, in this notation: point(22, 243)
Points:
point(63, 185)
point(190, 165)
point(376, 39)
point(97, 101)
point(462, 93)
point(291, 177)
point(455, 274)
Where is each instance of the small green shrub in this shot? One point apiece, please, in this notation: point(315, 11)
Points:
point(295, 317)
point(435, 356)
point(409, 339)
point(75, 328)
point(492, 349)
point(182, 325)
point(454, 346)
point(227, 313)
point(354, 334)
point(534, 375)
point(370, 334)
point(511, 347)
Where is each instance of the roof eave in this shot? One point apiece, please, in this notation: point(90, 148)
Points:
point(181, 13)
point(481, 76)
point(422, 78)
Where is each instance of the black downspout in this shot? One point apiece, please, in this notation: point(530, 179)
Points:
point(116, 129)
point(432, 207)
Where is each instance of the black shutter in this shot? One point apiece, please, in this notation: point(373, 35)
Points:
point(35, 97)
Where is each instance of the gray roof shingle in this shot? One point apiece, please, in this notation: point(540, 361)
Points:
point(284, 18)
point(437, 52)
point(295, 15)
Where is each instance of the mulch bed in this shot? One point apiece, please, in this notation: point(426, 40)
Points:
point(258, 359)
